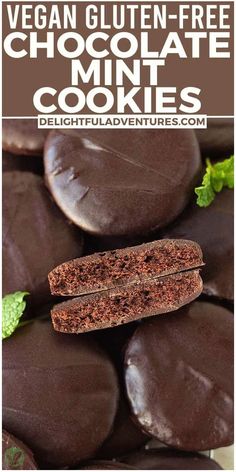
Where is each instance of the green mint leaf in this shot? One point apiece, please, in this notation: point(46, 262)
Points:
point(223, 171)
point(13, 306)
point(14, 458)
point(217, 176)
point(205, 192)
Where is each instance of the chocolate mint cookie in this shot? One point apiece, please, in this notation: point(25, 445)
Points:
point(179, 377)
point(36, 235)
point(110, 269)
point(125, 285)
point(121, 182)
point(60, 393)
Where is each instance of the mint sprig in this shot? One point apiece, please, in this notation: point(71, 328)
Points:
point(216, 177)
point(13, 306)
point(14, 457)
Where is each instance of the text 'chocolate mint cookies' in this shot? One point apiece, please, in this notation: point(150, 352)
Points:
point(125, 285)
point(121, 182)
point(179, 377)
point(60, 393)
point(15, 455)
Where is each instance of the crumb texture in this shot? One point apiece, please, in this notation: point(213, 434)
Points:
point(103, 271)
point(122, 305)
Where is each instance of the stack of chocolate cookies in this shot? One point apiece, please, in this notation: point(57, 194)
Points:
point(126, 357)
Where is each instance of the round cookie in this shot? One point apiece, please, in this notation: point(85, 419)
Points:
point(122, 182)
point(179, 377)
point(212, 228)
point(60, 393)
point(23, 137)
point(15, 455)
point(218, 139)
point(36, 236)
point(169, 459)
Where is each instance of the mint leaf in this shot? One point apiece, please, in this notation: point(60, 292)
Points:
point(14, 457)
point(217, 176)
point(13, 306)
point(223, 171)
point(205, 192)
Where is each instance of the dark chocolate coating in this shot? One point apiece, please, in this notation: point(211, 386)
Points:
point(121, 182)
point(15, 455)
point(179, 377)
point(60, 393)
point(212, 228)
point(170, 459)
point(218, 139)
point(36, 235)
point(23, 137)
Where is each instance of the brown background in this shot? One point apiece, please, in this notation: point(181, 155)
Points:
point(22, 77)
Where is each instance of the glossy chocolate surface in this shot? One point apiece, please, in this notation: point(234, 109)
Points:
point(179, 377)
point(121, 182)
point(60, 393)
point(36, 236)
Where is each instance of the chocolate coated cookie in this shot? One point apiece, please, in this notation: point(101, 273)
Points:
point(60, 393)
point(179, 377)
point(36, 236)
point(121, 182)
